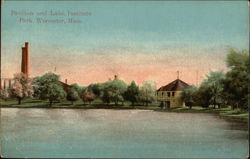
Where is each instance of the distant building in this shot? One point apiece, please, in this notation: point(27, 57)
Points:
point(25, 68)
point(170, 94)
point(65, 85)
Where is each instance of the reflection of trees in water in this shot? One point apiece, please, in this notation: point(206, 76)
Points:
point(53, 121)
point(94, 115)
point(54, 114)
point(238, 126)
point(35, 113)
point(45, 123)
point(240, 135)
point(240, 130)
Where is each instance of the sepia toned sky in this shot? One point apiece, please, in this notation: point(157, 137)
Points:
point(140, 40)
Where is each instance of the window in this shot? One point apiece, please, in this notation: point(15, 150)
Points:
point(168, 94)
point(172, 93)
point(162, 93)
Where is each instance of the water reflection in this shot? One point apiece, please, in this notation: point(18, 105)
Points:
point(119, 133)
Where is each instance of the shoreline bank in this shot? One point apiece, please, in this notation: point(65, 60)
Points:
point(224, 113)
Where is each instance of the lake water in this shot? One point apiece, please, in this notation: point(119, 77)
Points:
point(119, 133)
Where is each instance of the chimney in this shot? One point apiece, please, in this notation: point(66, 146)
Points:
point(27, 64)
point(116, 77)
point(66, 81)
point(23, 60)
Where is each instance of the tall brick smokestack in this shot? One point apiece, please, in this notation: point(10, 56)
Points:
point(25, 59)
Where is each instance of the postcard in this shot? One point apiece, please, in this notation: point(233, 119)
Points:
point(124, 79)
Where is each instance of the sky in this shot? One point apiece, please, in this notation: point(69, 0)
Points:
point(137, 40)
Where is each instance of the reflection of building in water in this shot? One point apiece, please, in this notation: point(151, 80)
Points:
point(170, 94)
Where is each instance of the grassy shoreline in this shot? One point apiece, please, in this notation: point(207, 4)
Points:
point(226, 113)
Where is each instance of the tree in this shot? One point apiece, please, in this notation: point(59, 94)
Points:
point(147, 92)
point(73, 93)
point(213, 82)
point(77, 88)
point(113, 91)
point(106, 96)
point(41, 84)
point(55, 92)
point(4, 94)
point(48, 87)
point(202, 96)
point(88, 96)
point(96, 88)
point(132, 93)
point(188, 96)
point(236, 58)
point(236, 81)
point(22, 87)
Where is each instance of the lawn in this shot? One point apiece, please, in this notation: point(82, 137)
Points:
point(226, 112)
point(36, 103)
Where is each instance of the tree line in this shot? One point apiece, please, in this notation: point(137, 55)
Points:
point(221, 89)
point(217, 89)
point(48, 87)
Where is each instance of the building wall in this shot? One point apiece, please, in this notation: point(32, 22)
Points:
point(174, 97)
point(6, 83)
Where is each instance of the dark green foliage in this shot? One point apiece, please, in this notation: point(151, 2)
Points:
point(41, 84)
point(113, 91)
point(188, 96)
point(230, 89)
point(236, 58)
point(132, 93)
point(106, 97)
point(202, 96)
point(55, 92)
point(78, 89)
point(210, 91)
point(146, 93)
point(96, 88)
point(213, 84)
point(73, 93)
point(237, 79)
point(161, 105)
point(49, 87)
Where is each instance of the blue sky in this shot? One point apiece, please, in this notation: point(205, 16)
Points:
point(141, 26)
point(162, 22)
